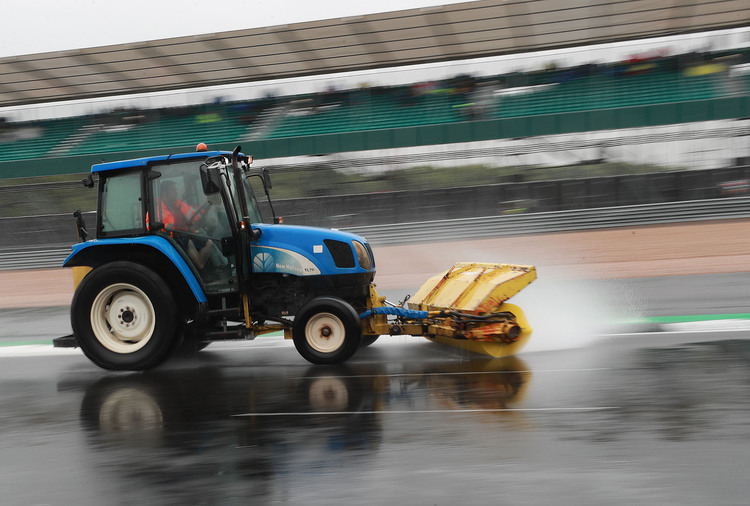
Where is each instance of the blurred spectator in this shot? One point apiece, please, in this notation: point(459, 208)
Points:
point(209, 117)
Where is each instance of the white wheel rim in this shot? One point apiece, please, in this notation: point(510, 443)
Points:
point(325, 332)
point(132, 413)
point(122, 318)
point(328, 394)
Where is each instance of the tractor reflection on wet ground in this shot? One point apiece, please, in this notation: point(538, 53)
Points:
point(636, 419)
point(224, 433)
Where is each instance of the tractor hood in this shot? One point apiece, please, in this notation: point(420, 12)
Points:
point(309, 251)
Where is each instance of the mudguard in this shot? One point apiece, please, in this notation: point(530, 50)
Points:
point(152, 241)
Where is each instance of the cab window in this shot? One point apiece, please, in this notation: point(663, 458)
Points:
point(121, 205)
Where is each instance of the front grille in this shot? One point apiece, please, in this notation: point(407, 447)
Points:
point(342, 253)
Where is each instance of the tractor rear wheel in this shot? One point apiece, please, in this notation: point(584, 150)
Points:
point(124, 317)
point(327, 330)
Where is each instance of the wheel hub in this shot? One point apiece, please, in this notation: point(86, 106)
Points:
point(124, 315)
point(127, 316)
point(122, 318)
point(325, 332)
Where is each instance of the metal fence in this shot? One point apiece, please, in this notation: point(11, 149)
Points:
point(528, 197)
point(561, 221)
point(38, 255)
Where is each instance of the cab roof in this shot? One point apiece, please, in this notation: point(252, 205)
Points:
point(143, 162)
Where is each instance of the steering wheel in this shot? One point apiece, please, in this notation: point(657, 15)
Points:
point(200, 214)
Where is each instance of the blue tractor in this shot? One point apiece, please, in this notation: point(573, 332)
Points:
point(150, 283)
point(181, 257)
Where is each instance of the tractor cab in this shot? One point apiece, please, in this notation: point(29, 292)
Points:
point(190, 200)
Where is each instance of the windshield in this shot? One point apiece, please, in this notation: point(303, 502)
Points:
point(252, 204)
point(179, 202)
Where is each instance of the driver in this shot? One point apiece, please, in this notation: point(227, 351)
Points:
point(175, 213)
point(178, 215)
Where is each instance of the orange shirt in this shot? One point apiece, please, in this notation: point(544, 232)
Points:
point(180, 216)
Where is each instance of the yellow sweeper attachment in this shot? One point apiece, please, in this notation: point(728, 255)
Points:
point(464, 307)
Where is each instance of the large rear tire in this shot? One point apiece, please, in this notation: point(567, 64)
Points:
point(124, 317)
point(327, 330)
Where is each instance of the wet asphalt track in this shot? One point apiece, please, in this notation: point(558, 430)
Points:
point(653, 418)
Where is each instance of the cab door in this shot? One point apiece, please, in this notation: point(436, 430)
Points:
point(196, 223)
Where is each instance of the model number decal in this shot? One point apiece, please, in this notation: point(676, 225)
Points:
point(268, 259)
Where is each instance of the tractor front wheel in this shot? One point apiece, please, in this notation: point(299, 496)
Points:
point(327, 330)
point(124, 317)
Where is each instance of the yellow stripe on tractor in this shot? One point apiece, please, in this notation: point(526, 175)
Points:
point(465, 307)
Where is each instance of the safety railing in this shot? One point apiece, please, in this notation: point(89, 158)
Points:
point(551, 222)
point(52, 255)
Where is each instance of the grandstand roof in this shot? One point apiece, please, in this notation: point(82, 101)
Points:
point(451, 32)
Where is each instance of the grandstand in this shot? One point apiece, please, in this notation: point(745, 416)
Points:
point(623, 88)
point(463, 110)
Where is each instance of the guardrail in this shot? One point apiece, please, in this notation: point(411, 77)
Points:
point(33, 257)
point(38, 257)
point(559, 221)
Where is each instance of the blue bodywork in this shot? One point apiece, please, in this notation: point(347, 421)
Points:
point(154, 241)
point(282, 249)
point(291, 245)
point(143, 162)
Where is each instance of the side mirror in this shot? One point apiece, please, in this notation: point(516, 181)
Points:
point(210, 180)
point(88, 181)
point(81, 226)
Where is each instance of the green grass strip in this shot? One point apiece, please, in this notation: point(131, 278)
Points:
point(697, 318)
point(25, 343)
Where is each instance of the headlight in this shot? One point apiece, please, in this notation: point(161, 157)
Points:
point(362, 256)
